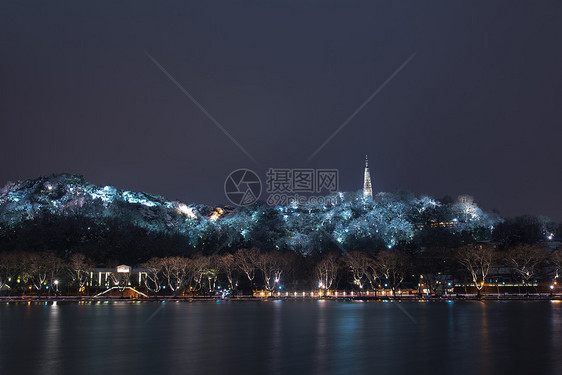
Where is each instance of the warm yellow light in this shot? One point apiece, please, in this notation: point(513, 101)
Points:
point(216, 214)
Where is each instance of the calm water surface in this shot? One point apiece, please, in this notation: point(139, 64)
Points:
point(282, 337)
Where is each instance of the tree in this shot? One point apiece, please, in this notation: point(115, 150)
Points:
point(38, 270)
point(227, 265)
point(246, 260)
point(175, 272)
point(392, 266)
point(153, 269)
point(9, 267)
point(54, 266)
point(326, 270)
point(79, 268)
point(431, 264)
point(211, 273)
point(525, 229)
point(271, 265)
point(358, 263)
point(203, 267)
point(556, 259)
point(372, 273)
point(524, 260)
point(477, 260)
point(296, 266)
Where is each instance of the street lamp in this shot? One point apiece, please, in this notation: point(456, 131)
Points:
point(56, 287)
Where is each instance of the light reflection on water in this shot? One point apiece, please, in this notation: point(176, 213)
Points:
point(281, 337)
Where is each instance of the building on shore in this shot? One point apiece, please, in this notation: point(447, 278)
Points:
point(121, 276)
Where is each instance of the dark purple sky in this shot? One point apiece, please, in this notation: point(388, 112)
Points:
point(477, 111)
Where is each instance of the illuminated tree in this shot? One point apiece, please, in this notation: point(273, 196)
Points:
point(246, 260)
point(211, 273)
point(556, 259)
point(153, 269)
point(392, 266)
point(79, 268)
point(524, 260)
point(271, 264)
point(203, 267)
point(38, 270)
point(326, 271)
point(227, 265)
point(54, 266)
point(477, 260)
point(358, 263)
point(373, 274)
point(175, 272)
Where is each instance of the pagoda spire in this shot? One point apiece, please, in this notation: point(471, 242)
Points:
point(367, 187)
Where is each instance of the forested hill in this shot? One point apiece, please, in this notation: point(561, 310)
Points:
point(65, 214)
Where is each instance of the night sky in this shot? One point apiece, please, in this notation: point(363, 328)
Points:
point(478, 109)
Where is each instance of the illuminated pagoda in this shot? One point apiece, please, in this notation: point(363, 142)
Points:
point(367, 187)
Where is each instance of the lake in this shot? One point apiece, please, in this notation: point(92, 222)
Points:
point(282, 337)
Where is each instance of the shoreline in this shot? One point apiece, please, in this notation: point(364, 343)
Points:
point(77, 299)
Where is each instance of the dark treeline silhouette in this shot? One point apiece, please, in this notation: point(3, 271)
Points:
point(117, 239)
